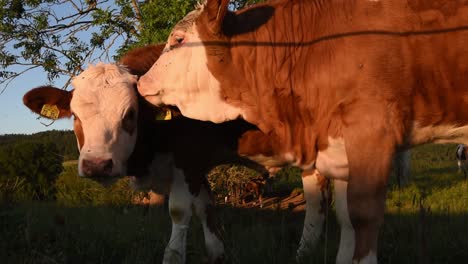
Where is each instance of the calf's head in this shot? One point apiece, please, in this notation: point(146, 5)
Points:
point(105, 109)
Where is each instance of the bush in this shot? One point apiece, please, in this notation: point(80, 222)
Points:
point(230, 180)
point(15, 189)
point(35, 165)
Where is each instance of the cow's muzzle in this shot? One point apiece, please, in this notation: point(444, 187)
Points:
point(97, 168)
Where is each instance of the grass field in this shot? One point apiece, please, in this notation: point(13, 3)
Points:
point(426, 222)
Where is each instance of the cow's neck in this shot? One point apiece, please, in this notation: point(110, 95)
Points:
point(273, 98)
point(146, 145)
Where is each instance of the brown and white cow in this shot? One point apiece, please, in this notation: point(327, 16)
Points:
point(118, 135)
point(335, 85)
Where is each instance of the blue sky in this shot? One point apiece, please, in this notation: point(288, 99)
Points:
point(15, 118)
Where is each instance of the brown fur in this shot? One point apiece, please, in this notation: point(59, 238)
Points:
point(140, 60)
point(34, 100)
point(320, 48)
point(367, 71)
point(78, 129)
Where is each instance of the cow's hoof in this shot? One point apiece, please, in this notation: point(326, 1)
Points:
point(211, 260)
point(172, 256)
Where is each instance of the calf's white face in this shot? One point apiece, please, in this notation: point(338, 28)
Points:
point(105, 108)
point(104, 104)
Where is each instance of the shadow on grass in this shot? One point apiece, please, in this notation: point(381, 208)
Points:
point(47, 233)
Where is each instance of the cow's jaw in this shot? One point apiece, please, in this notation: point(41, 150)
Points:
point(101, 106)
point(190, 85)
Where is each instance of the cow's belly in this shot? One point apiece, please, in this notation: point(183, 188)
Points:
point(439, 134)
point(333, 161)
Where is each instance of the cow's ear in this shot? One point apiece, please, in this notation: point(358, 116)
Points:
point(216, 10)
point(140, 60)
point(49, 102)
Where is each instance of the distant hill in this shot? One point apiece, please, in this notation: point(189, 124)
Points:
point(64, 140)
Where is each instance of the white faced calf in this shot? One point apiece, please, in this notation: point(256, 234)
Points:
point(118, 135)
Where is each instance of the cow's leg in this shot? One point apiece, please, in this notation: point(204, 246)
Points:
point(346, 249)
point(260, 199)
point(315, 195)
point(205, 211)
point(180, 202)
point(369, 147)
point(402, 167)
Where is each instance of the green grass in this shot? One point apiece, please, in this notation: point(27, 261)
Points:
point(429, 217)
point(69, 163)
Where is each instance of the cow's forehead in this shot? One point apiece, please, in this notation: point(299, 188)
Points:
point(185, 23)
point(102, 76)
point(104, 87)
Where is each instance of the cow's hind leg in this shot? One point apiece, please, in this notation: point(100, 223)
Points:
point(315, 194)
point(180, 203)
point(205, 211)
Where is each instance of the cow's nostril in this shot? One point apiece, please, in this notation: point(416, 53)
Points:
point(87, 167)
point(107, 167)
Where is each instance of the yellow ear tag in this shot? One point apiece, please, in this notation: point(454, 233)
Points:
point(50, 111)
point(166, 115)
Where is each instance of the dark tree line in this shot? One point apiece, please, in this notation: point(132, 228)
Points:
point(64, 141)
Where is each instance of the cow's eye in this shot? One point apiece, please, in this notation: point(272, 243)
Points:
point(129, 121)
point(177, 38)
point(130, 114)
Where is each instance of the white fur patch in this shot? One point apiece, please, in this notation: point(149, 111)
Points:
point(181, 77)
point(314, 218)
point(214, 245)
point(180, 202)
point(333, 161)
point(347, 240)
point(102, 95)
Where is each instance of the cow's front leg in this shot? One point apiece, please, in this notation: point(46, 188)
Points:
point(180, 202)
point(316, 195)
point(347, 243)
point(205, 211)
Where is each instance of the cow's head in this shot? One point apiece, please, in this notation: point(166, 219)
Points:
point(196, 54)
point(105, 109)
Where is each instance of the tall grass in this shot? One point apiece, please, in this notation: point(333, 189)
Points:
point(425, 222)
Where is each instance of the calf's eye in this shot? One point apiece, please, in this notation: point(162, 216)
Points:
point(129, 121)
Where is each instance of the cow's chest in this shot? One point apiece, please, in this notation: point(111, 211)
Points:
point(159, 175)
